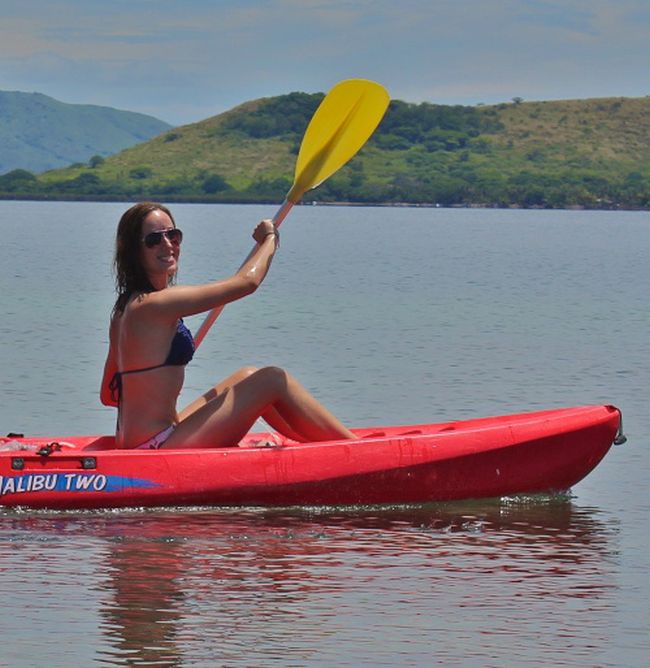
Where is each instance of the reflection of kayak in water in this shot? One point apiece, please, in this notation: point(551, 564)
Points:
point(488, 457)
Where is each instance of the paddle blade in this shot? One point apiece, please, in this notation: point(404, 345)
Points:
point(341, 125)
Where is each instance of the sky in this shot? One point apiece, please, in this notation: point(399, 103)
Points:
point(186, 60)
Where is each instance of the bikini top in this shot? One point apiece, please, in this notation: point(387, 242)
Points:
point(180, 353)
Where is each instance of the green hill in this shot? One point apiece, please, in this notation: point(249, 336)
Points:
point(38, 133)
point(592, 153)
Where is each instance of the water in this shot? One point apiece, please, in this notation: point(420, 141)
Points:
point(389, 316)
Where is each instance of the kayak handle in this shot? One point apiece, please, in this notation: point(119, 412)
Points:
point(620, 437)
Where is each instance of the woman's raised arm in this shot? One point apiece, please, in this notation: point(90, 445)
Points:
point(186, 300)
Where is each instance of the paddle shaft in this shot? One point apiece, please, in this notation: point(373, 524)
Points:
point(340, 126)
point(215, 312)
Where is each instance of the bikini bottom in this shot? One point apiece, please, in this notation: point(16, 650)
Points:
point(155, 442)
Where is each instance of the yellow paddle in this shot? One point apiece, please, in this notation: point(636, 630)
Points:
point(341, 125)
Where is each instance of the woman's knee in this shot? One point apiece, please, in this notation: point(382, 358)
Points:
point(271, 381)
point(273, 377)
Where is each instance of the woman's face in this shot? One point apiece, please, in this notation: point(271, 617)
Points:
point(161, 259)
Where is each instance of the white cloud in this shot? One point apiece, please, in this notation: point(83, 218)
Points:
point(186, 61)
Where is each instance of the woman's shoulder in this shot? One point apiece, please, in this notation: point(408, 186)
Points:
point(149, 308)
point(137, 303)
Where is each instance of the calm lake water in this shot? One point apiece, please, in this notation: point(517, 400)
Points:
point(388, 316)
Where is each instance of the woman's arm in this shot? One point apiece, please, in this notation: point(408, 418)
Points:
point(179, 301)
point(110, 367)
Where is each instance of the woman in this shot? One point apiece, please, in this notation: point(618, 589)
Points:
point(150, 346)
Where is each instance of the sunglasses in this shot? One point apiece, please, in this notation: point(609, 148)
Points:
point(173, 235)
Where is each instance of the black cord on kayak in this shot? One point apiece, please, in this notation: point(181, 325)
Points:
point(48, 449)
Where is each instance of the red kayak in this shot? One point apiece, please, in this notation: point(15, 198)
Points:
point(541, 452)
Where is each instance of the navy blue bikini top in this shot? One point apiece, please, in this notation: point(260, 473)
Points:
point(180, 353)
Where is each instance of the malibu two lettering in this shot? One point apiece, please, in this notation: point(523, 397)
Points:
point(50, 482)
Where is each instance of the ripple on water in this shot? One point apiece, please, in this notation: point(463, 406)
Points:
point(315, 586)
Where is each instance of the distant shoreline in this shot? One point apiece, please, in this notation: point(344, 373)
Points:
point(403, 205)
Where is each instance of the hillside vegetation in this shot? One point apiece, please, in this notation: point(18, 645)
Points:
point(38, 133)
point(591, 153)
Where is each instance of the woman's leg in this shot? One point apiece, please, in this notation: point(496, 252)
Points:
point(226, 418)
point(270, 416)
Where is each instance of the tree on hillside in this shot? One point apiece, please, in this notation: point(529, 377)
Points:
point(214, 184)
point(17, 181)
point(285, 115)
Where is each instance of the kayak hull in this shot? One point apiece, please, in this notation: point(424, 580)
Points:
point(526, 453)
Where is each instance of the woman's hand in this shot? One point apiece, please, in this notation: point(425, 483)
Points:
point(264, 229)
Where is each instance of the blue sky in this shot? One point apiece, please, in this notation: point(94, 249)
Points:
point(186, 60)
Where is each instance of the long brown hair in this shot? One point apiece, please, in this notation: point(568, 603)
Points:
point(130, 276)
